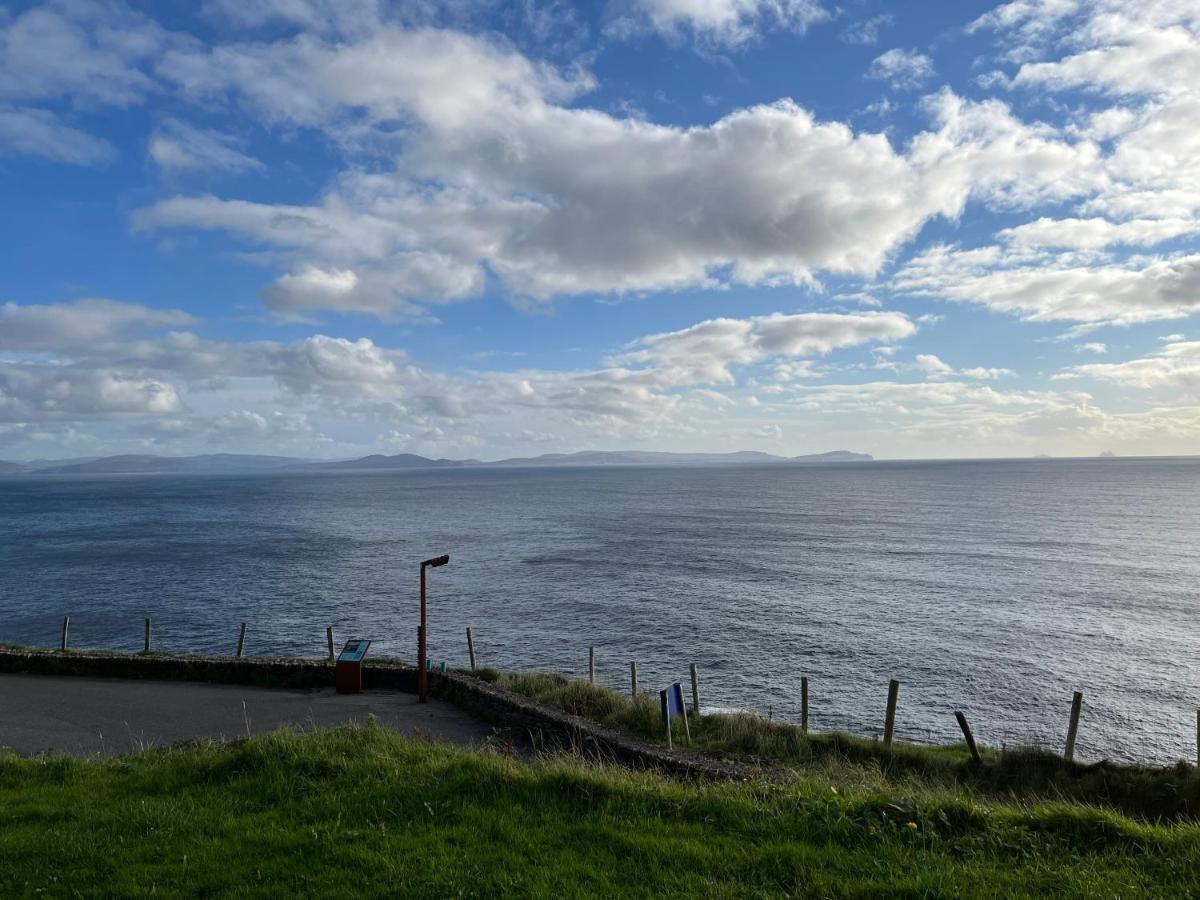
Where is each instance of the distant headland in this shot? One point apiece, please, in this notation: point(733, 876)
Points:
point(216, 463)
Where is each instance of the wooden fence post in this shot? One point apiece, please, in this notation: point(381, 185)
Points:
point(329, 641)
point(146, 648)
point(804, 706)
point(66, 631)
point(889, 722)
point(970, 738)
point(633, 679)
point(1073, 728)
point(471, 647)
point(591, 665)
point(241, 640)
point(695, 691)
point(1198, 738)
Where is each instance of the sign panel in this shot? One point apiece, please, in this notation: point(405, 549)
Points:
point(671, 701)
point(354, 651)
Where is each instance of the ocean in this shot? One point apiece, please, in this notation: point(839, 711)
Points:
point(993, 587)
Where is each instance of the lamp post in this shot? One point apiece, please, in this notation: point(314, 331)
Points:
point(422, 672)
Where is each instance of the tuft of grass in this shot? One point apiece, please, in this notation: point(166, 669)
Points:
point(360, 811)
point(1147, 792)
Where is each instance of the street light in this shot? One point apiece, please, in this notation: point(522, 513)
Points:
point(422, 669)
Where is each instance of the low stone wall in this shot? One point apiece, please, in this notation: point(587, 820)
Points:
point(545, 727)
point(278, 673)
point(552, 729)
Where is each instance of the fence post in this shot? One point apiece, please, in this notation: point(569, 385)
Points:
point(146, 648)
point(592, 665)
point(329, 641)
point(1073, 728)
point(66, 631)
point(970, 738)
point(804, 706)
point(471, 647)
point(633, 679)
point(889, 722)
point(695, 690)
point(241, 640)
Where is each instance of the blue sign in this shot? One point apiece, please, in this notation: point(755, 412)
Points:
point(354, 651)
point(671, 701)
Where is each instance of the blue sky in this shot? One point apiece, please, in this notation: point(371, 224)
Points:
point(333, 227)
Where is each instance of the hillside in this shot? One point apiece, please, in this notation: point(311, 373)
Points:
point(310, 814)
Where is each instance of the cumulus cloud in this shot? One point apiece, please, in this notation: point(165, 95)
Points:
point(705, 352)
point(81, 324)
point(904, 70)
point(559, 200)
point(729, 23)
point(31, 393)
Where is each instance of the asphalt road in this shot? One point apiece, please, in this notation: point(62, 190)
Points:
point(86, 716)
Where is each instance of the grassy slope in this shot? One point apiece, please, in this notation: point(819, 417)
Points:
point(1152, 793)
point(361, 811)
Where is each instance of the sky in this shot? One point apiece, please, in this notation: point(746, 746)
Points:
point(472, 228)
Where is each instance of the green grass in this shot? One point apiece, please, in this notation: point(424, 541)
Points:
point(360, 811)
point(1152, 793)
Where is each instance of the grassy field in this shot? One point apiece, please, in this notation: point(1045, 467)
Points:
point(1146, 792)
point(360, 811)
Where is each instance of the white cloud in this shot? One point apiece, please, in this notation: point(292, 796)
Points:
point(79, 324)
point(705, 352)
point(986, 373)
point(866, 31)
point(1044, 287)
point(562, 200)
point(35, 392)
point(89, 52)
point(730, 23)
point(37, 132)
point(1176, 365)
point(1092, 347)
point(904, 70)
point(182, 147)
point(1095, 233)
point(933, 365)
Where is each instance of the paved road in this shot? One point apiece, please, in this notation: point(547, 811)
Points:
point(85, 716)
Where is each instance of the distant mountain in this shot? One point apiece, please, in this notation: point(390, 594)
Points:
point(649, 458)
point(217, 463)
point(137, 464)
point(378, 461)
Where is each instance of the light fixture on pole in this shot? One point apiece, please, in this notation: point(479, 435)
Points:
point(422, 673)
